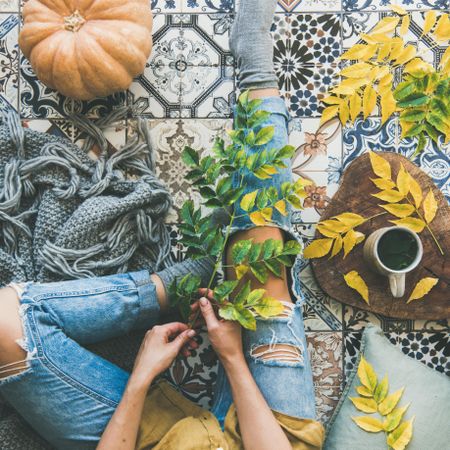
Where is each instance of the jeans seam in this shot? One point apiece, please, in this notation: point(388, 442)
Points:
point(83, 293)
point(46, 361)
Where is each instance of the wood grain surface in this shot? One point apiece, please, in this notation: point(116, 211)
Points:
point(354, 195)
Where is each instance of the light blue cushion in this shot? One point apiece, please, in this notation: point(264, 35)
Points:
point(427, 390)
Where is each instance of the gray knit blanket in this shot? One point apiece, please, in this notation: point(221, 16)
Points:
point(64, 215)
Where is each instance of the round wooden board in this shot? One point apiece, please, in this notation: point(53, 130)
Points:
point(354, 195)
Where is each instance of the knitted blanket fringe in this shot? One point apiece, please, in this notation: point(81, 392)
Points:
point(64, 215)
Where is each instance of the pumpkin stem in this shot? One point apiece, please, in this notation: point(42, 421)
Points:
point(74, 22)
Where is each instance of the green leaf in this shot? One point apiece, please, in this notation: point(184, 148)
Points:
point(432, 132)
point(414, 131)
point(219, 147)
point(268, 248)
point(254, 252)
point(412, 115)
point(190, 156)
point(213, 203)
point(240, 250)
point(415, 99)
point(275, 267)
point(187, 211)
point(292, 248)
point(269, 307)
point(243, 294)
point(206, 192)
point(286, 152)
point(421, 142)
point(259, 270)
point(233, 195)
point(294, 201)
point(228, 312)
point(245, 318)
point(250, 138)
point(255, 296)
point(225, 289)
point(248, 200)
point(404, 89)
point(258, 118)
point(381, 390)
point(437, 122)
point(262, 199)
point(265, 135)
point(224, 185)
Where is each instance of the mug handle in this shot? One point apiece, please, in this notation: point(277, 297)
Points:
point(397, 284)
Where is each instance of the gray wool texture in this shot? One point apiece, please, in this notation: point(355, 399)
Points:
point(65, 216)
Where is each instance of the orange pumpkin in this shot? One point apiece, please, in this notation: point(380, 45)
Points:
point(87, 48)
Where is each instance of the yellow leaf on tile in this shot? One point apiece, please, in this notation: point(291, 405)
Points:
point(430, 20)
point(367, 405)
point(401, 436)
point(318, 248)
point(390, 402)
point(406, 21)
point(380, 166)
point(368, 423)
point(369, 100)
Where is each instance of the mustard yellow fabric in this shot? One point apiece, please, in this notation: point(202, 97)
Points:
point(171, 422)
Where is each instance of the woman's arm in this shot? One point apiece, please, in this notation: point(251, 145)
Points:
point(259, 428)
point(159, 348)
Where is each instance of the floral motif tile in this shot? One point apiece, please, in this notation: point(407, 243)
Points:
point(317, 147)
point(371, 5)
point(37, 100)
point(9, 61)
point(208, 6)
point(308, 5)
point(166, 6)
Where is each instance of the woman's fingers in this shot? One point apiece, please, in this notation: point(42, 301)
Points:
point(173, 328)
point(205, 292)
point(208, 313)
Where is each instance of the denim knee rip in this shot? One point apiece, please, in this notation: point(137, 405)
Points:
point(31, 353)
point(282, 352)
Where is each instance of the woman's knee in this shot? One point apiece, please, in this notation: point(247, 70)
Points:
point(12, 355)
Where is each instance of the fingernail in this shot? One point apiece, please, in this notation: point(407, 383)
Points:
point(203, 301)
point(191, 333)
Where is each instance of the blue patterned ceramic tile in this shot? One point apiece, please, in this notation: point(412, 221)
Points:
point(166, 6)
point(369, 134)
point(56, 127)
point(200, 6)
point(37, 100)
point(308, 5)
point(373, 5)
point(9, 61)
point(100, 106)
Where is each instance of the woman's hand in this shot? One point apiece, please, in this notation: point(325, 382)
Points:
point(224, 335)
point(159, 348)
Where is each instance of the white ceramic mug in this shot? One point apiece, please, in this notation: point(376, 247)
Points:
point(396, 277)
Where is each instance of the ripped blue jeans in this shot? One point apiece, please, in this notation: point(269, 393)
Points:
point(277, 351)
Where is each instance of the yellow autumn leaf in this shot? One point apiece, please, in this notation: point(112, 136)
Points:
point(280, 206)
point(403, 180)
point(398, 9)
point(353, 279)
point(385, 82)
point(257, 218)
point(382, 183)
point(367, 375)
point(380, 166)
point(388, 105)
point(332, 100)
point(367, 405)
point(390, 402)
point(326, 231)
point(418, 65)
point(335, 225)
point(389, 195)
point(267, 213)
point(328, 113)
point(318, 248)
point(399, 209)
point(394, 418)
point(358, 70)
point(369, 100)
point(406, 55)
point(350, 219)
point(430, 207)
point(360, 51)
point(412, 223)
point(406, 21)
point(344, 112)
point(442, 30)
point(363, 391)
point(248, 200)
point(350, 85)
point(384, 51)
point(349, 241)
point(241, 270)
point(406, 126)
point(381, 390)
point(416, 191)
point(368, 423)
point(379, 72)
point(355, 106)
point(386, 25)
point(400, 437)
point(445, 57)
point(422, 288)
point(337, 246)
point(430, 20)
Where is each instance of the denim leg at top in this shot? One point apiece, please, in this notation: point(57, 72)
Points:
point(286, 385)
point(68, 394)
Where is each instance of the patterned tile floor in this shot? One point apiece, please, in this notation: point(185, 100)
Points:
point(186, 93)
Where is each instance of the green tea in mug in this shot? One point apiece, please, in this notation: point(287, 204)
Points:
point(397, 249)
